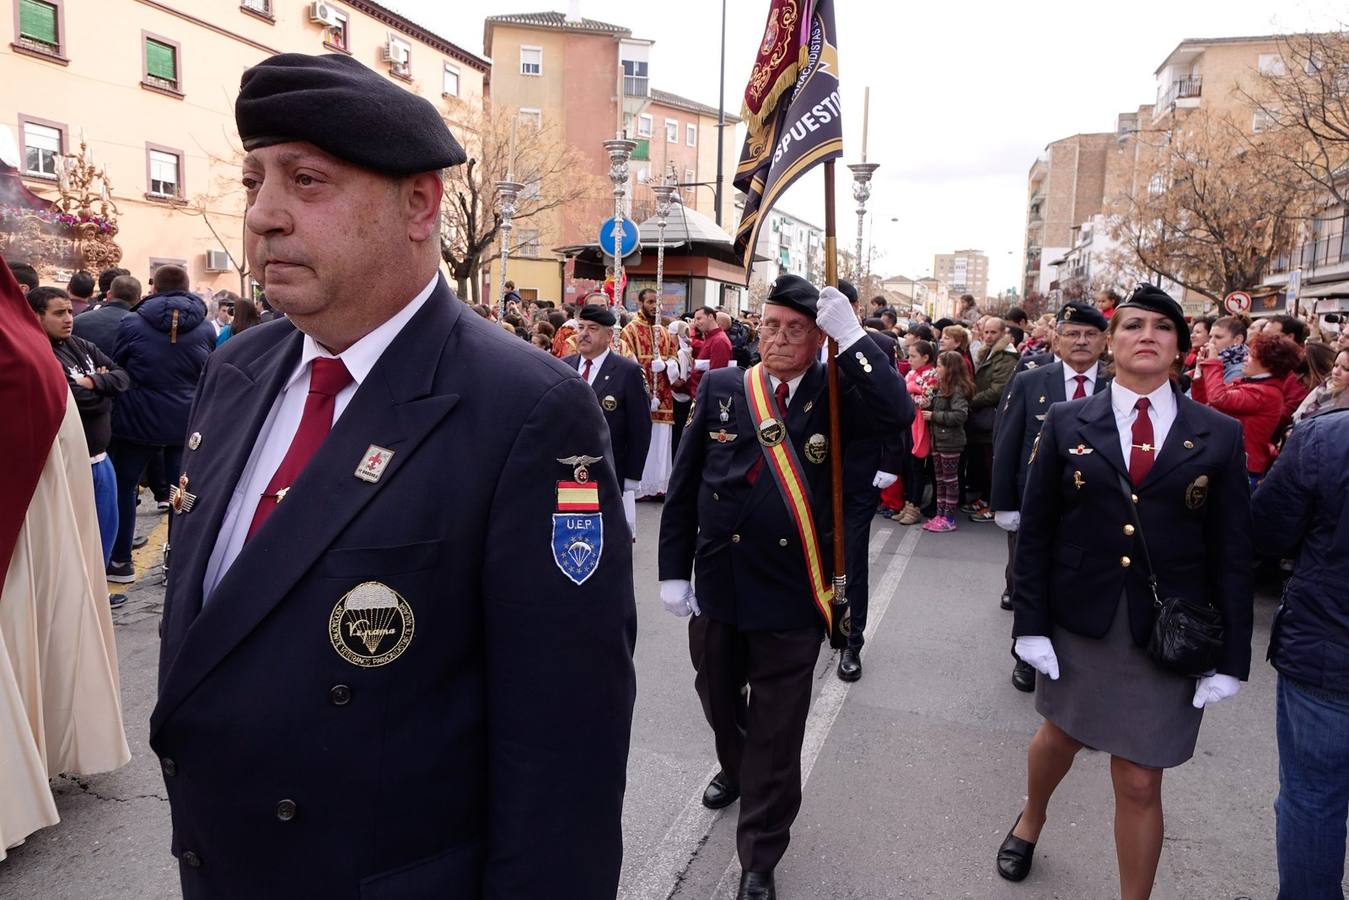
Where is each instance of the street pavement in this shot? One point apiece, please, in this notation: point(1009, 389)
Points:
point(913, 775)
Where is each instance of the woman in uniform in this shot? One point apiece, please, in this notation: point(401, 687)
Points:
point(1083, 609)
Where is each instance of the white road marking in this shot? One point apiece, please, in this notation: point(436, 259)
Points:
point(667, 863)
point(829, 702)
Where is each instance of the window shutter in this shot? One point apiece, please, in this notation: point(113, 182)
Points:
point(37, 20)
point(160, 61)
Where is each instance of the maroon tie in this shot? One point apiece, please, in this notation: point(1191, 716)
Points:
point(1081, 387)
point(585, 372)
point(780, 394)
point(1142, 452)
point(327, 377)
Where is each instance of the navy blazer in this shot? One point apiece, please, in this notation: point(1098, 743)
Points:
point(738, 537)
point(489, 759)
point(1076, 553)
point(1030, 394)
point(621, 392)
point(864, 457)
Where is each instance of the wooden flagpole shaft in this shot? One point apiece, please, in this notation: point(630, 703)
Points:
point(838, 637)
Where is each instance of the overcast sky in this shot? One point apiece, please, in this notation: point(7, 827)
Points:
point(964, 96)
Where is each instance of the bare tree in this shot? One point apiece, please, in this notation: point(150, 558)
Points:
point(223, 200)
point(1213, 209)
point(1305, 98)
point(502, 146)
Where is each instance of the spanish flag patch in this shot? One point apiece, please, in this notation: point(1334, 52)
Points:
point(578, 496)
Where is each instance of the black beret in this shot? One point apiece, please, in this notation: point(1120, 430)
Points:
point(345, 109)
point(1154, 299)
point(794, 292)
point(600, 315)
point(845, 287)
point(1081, 313)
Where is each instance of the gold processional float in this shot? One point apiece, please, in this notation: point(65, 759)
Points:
point(76, 230)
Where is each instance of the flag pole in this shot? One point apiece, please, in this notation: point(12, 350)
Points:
point(842, 615)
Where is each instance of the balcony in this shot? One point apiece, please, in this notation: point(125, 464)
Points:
point(1189, 88)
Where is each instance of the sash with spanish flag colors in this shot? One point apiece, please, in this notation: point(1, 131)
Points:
point(770, 424)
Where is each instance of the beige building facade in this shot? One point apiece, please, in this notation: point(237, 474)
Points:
point(1065, 187)
point(964, 271)
point(591, 81)
point(150, 86)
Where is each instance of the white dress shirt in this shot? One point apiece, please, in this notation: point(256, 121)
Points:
point(1070, 380)
point(774, 381)
point(279, 428)
point(1162, 410)
point(594, 366)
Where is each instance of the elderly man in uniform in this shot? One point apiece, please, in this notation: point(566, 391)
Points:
point(645, 340)
point(622, 396)
point(748, 515)
point(397, 654)
point(1079, 344)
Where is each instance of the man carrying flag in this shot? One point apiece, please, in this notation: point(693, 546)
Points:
point(749, 512)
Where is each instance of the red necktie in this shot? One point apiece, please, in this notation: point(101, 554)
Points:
point(585, 372)
point(1142, 452)
point(1081, 387)
point(327, 377)
point(780, 394)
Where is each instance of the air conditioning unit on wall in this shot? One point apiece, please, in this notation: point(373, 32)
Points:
point(217, 261)
point(324, 14)
point(396, 52)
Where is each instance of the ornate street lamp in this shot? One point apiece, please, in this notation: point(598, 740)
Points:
point(665, 196)
point(620, 151)
point(861, 192)
point(507, 193)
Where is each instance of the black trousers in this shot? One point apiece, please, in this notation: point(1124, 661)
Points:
point(1011, 555)
point(759, 744)
point(681, 418)
point(859, 508)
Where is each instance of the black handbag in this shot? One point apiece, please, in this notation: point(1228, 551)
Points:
point(1187, 636)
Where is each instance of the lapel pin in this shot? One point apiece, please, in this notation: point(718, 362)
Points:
point(373, 463)
point(726, 408)
point(180, 498)
point(1081, 450)
point(1077, 480)
point(195, 441)
point(1043, 398)
point(810, 404)
point(1189, 445)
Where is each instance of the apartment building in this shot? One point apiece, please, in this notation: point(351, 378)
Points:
point(592, 81)
point(1065, 187)
point(150, 87)
point(1211, 74)
point(964, 271)
point(790, 246)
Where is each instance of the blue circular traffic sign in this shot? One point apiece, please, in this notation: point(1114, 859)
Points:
point(628, 241)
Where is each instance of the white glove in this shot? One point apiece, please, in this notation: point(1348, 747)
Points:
point(883, 480)
point(702, 365)
point(835, 316)
point(657, 365)
point(678, 598)
point(672, 367)
point(1008, 520)
point(630, 484)
point(1212, 688)
point(1039, 652)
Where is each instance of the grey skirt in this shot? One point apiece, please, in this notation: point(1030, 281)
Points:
point(1112, 698)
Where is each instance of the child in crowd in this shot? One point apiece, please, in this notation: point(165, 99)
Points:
point(946, 424)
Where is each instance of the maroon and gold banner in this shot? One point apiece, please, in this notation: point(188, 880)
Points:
point(804, 124)
point(770, 424)
point(775, 67)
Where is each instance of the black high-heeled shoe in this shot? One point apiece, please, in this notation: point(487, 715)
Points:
point(1015, 855)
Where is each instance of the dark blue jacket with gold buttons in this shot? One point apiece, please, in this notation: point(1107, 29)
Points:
point(1077, 551)
point(738, 538)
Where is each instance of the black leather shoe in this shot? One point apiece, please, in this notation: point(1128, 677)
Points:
point(719, 794)
point(756, 886)
point(1006, 602)
point(850, 665)
point(1015, 856)
point(1023, 677)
